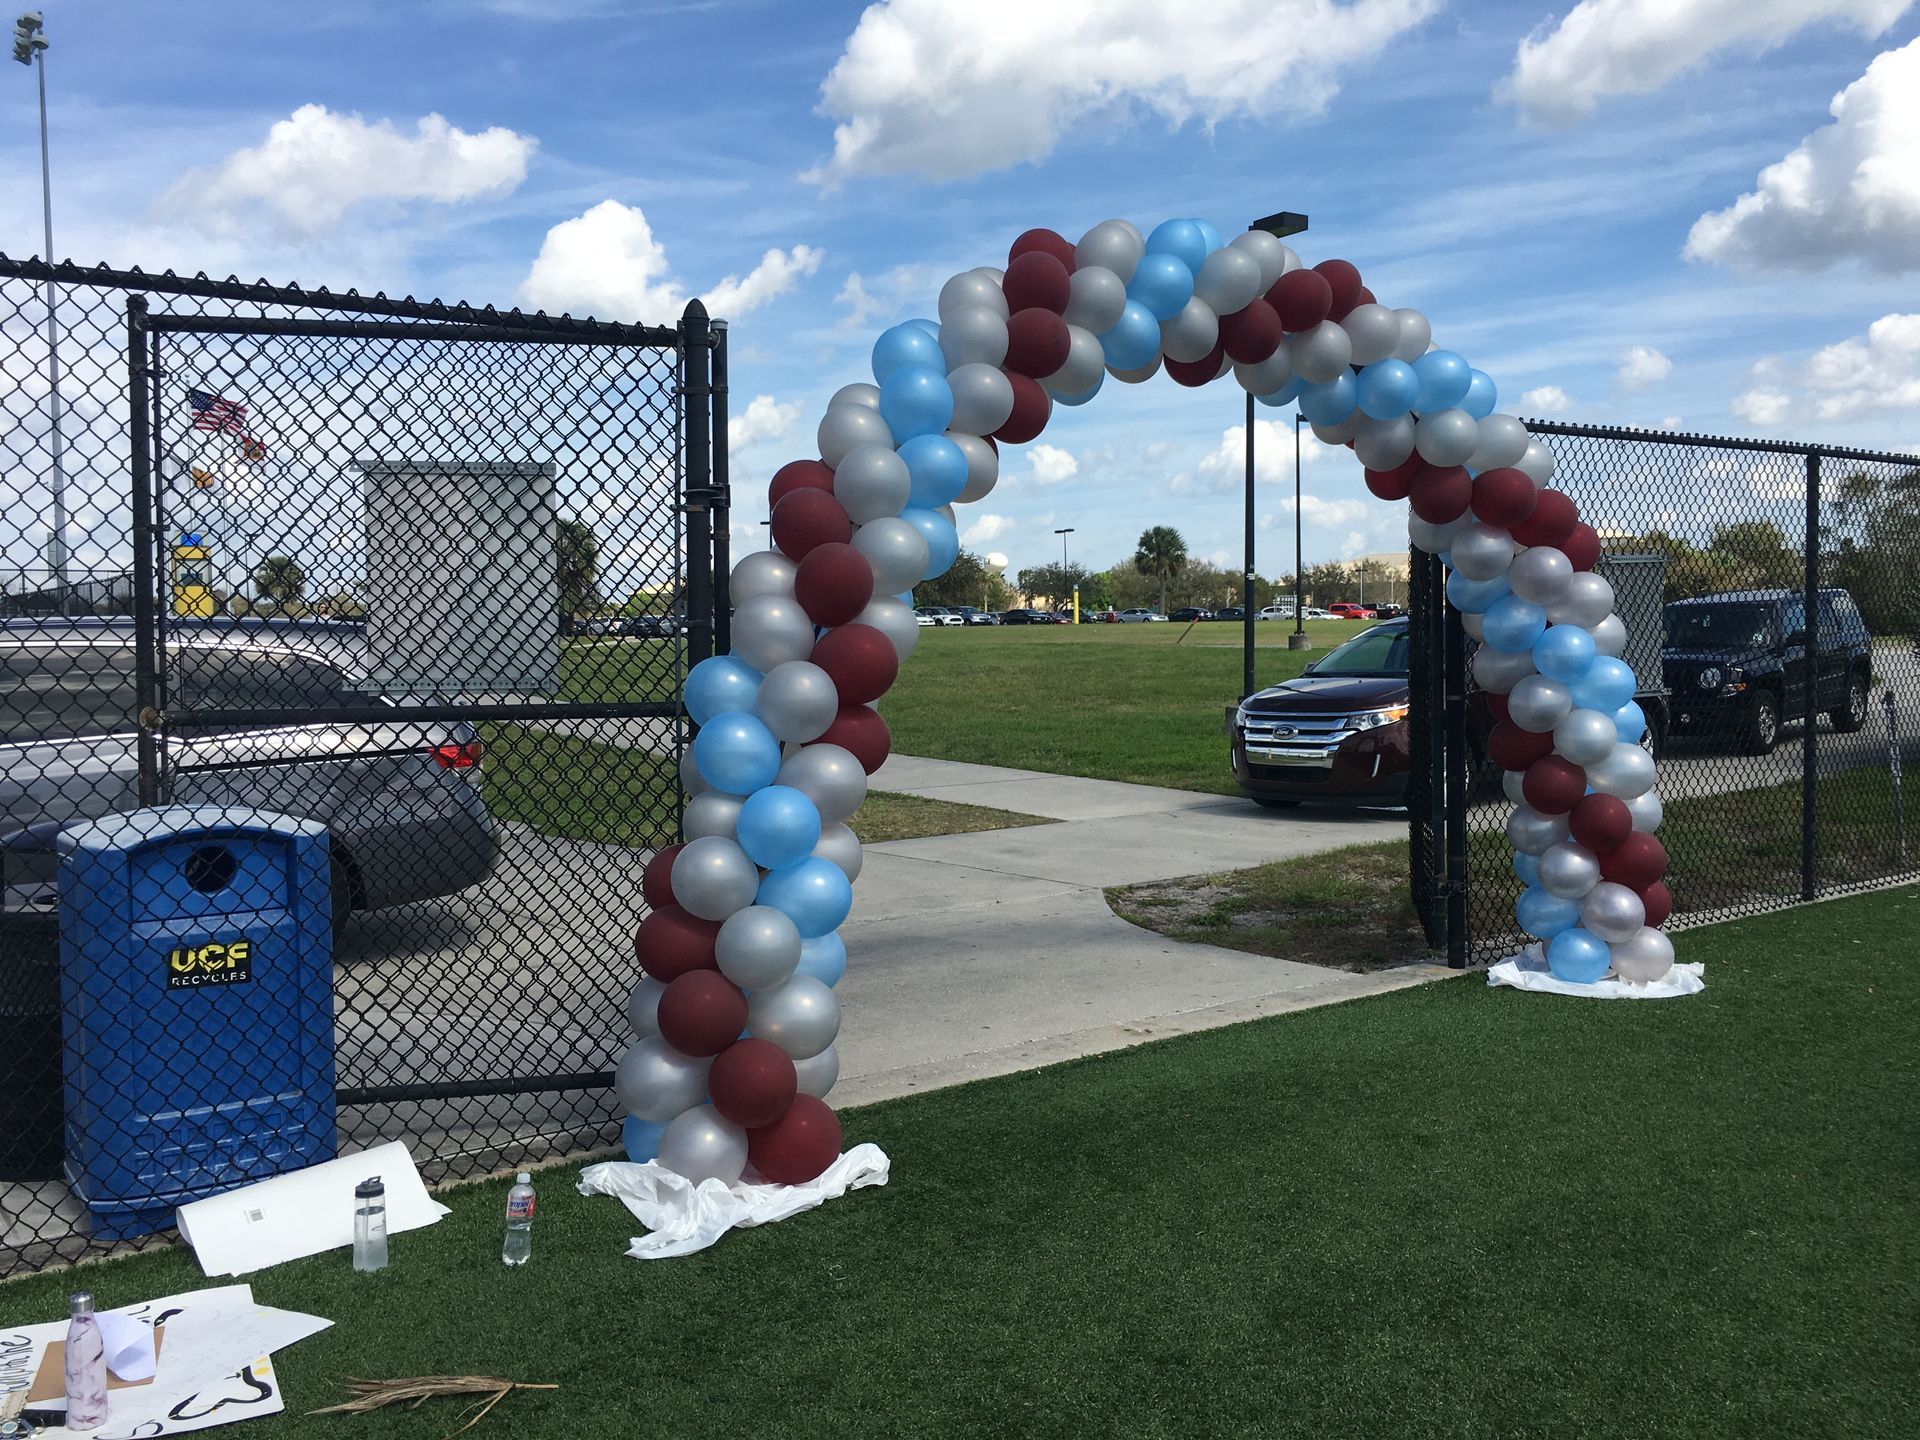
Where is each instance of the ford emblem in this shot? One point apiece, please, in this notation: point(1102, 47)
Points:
point(1710, 678)
point(1281, 732)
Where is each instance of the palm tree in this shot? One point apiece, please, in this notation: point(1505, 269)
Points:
point(1162, 555)
point(280, 578)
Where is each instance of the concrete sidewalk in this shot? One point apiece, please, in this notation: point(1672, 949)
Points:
point(976, 955)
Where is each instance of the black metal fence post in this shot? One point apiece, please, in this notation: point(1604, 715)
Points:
point(1247, 685)
point(722, 512)
point(1810, 705)
point(1454, 751)
point(146, 664)
point(696, 390)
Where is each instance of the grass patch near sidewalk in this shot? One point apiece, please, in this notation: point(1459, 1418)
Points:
point(890, 816)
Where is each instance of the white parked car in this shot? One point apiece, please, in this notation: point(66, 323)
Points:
point(924, 617)
point(1138, 617)
point(1276, 612)
point(939, 615)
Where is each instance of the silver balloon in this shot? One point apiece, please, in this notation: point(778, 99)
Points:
point(711, 814)
point(1475, 624)
point(1229, 279)
point(1446, 437)
point(1568, 870)
point(1341, 432)
point(1095, 299)
point(1433, 538)
point(700, 1145)
point(1541, 574)
point(1587, 600)
point(967, 289)
point(1320, 354)
point(1498, 670)
point(858, 393)
point(797, 700)
point(770, 630)
point(895, 620)
point(983, 465)
point(827, 775)
point(818, 1073)
point(656, 1082)
point(896, 551)
point(643, 1007)
point(1610, 637)
point(1539, 703)
point(1511, 785)
point(1381, 444)
point(1269, 375)
point(712, 878)
point(757, 947)
point(1537, 460)
point(1627, 772)
point(872, 482)
point(1415, 335)
point(992, 273)
point(982, 398)
point(1373, 331)
point(1503, 440)
point(845, 426)
point(1586, 737)
point(1268, 252)
point(1084, 368)
point(1613, 912)
point(1643, 957)
point(1192, 334)
point(1138, 376)
point(1481, 552)
point(1532, 833)
point(1647, 811)
point(799, 1015)
point(974, 334)
point(1111, 245)
point(692, 782)
point(763, 572)
point(839, 844)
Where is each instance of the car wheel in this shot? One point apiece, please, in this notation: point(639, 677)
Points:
point(1268, 802)
point(1763, 724)
point(1851, 716)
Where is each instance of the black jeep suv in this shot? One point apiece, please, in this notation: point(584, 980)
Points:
point(1736, 664)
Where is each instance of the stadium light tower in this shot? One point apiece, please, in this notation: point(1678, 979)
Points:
point(1280, 225)
point(30, 46)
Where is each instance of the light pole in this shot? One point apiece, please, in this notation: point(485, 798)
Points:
point(29, 45)
point(1063, 571)
point(1280, 225)
point(1298, 639)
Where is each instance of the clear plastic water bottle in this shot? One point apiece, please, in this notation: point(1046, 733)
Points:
point(370, 1225)
point(86, 1367)
point(519, 1244)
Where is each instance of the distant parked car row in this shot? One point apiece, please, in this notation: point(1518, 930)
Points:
point(933, 616)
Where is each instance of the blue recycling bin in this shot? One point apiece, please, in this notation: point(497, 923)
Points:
point(196, 958)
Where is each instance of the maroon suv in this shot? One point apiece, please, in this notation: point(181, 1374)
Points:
point(1338, 731)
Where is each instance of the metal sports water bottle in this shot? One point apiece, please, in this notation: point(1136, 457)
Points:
point(86, 1367)
point(519, 1244)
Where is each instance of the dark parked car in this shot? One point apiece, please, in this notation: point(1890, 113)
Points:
point(1031, 617)
point(1389, 612)
point(1191, 613)
point(652, 627)
point(1736, 664)
point(1232, 612)
point(971, 616)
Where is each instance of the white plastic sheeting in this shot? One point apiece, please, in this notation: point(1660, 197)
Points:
point(1528, 971)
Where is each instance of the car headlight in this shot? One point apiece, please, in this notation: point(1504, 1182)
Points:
point(1736, 681)
point(1374, 719)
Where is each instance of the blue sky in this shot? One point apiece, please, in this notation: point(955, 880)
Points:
point(1537, 207)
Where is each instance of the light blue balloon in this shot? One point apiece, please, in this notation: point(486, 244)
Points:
point(943, 541)
point(1607, 684)
point(641, 1138)
point(937, 468)
point(1564, 653)
point(1444, 378)
point(1163, 283)
point(901, 348)
point(1513, 624)
point(778, 826)
point(1084, 396)
point(916, 401)
point(1330, 401)
point(1542, 915)
point(824, 957)
point(1185, 240)
point(815, 894)
point(1630, 722)
point(1211, 234)
point(1578, 955)
point(1388, 389)
point(1482, 396)
point(1527, 867)
point(1134, 339)
point(1287, 394)
point(736, 753)
point(1476, 597)
point(718, 684)
point(932, 327)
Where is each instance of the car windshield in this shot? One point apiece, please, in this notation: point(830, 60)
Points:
point(1378, 652)
point(1717, 626)
point(50, 694)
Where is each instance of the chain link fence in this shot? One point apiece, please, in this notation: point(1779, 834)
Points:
point(415, 574)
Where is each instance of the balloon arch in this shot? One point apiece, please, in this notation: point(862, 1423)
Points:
point(740, 950)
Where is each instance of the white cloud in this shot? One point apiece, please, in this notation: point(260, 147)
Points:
point(1879, 372)
point(608, 263)
point(1547, 400)
point(1849, 191)
point(1052, 465)
point(986, 528)
point(1223, 469)
point(1760, 406)
point(763, 419)
point(952, 90)
point(1563, 70)
point(1344, 529)
point(1671, 422)
point(1642, 367)
point(317, 165)
point(862, 308)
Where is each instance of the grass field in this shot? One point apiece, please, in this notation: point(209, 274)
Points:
point(1446, 1211)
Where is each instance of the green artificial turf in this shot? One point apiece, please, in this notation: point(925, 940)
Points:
point(1445, 1211)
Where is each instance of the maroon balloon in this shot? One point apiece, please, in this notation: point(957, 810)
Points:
point(1504, 497)
point(1195, 373)
point(833, 583)
point(799, 1146)
point(1253, 334)
point(656, 881)
point(1512, 748)
point(702, 1013)
point(1496, 705)
point(859, 730)
point(1553, 785)
point(1659, 901)
point(1552, 520)
point(1365, 298)
point(799, 475)
point(860, 659)
point(752, 1083)
point(1037, 342)
point(1635, 862)
point(672, 942)
point(1032, 408)
point(1440, 495)
point(1048, 242)
point(1397, 483)
point(1345, 282)
point(1582, 546)
point(1301, 298)
point(1037, 278)
point(1600, 822)
point(809, 518)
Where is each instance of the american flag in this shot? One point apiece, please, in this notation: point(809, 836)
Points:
point(212, 412)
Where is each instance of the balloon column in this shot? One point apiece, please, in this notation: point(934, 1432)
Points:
point(736, 1015)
